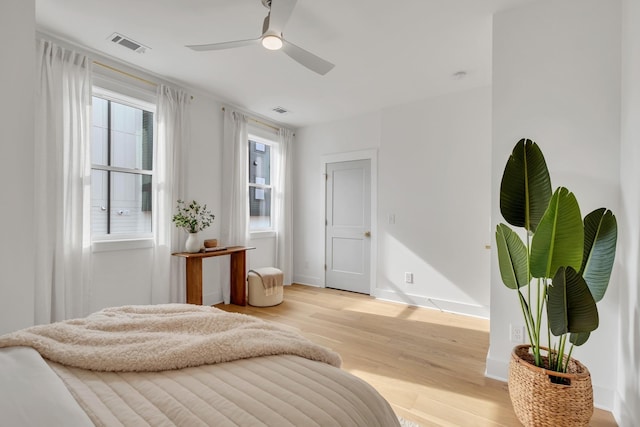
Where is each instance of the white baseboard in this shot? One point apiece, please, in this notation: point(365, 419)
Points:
point(211, 299)
point(308, 280)
point(603, 398)
point(433, 303)
point(497, 369)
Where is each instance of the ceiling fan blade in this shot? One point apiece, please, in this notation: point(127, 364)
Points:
point(223, 45)
point(280, 13)
point(308, 59)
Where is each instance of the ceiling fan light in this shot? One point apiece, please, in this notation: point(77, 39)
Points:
point(272, 42)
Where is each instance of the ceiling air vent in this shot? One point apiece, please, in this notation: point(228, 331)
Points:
point(128, 43)
point(280, 110)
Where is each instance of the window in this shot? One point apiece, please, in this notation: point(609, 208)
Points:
point(260, 187)
point(122, 166)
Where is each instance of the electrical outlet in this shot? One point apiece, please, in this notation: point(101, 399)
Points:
point(408, 277)
point(516, 334)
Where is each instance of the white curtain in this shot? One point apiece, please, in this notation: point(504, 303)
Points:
point(173, 124)
point(62, 179)
point(283, 218)
point(234, 222)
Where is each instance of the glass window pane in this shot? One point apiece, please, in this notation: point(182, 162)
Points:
point(259, 163)
point(127, 200)
point(99, 132)
point(260, 208)
point(99, 203)
point(131, 137)
point(122, 137)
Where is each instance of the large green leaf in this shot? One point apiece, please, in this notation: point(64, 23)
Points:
point(512, 257)
point(600, 237)
point(525, 189)
point(570, 306)
point(559, 239)
point(579, 338)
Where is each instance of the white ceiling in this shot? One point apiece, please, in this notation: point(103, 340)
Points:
point(385, 52)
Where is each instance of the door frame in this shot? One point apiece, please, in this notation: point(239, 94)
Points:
point(372, 156)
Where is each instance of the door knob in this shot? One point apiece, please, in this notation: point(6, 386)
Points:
point(367, 234)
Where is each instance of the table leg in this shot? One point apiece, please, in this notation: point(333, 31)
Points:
point(238, 278)
point(194, 281)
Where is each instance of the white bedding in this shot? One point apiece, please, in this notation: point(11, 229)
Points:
point(181, 365)
point(31, 394)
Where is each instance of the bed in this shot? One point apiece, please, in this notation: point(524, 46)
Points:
point(178, 364)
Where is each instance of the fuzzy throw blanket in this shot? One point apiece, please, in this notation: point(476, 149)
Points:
point(163, 337)
point(271, 278)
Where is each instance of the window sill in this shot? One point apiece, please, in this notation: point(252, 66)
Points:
point(266, 234)
point(121, 245)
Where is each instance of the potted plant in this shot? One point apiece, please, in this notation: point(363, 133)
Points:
point(193, 218)
point(559, 273)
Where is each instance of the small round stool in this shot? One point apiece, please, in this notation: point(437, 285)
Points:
point(258, 294)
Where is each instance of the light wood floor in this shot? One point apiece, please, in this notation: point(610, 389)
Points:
point(429, 365)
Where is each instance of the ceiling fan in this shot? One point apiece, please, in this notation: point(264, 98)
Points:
point(272, 39)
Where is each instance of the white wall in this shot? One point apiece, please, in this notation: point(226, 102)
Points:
point(434, 179)
point(120, 277)
point(628, 387)
point(433, 176)
point(17, 111)
point(556, 80)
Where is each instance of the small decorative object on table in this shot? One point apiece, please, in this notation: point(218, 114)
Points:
point(193, 218)
point(211, 243)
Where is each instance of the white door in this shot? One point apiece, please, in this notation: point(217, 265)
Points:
point(348, 226)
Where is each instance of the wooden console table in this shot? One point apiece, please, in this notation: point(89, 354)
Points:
point(237, 273)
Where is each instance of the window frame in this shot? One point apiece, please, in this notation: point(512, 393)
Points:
point(264, 231)
point(132, 240)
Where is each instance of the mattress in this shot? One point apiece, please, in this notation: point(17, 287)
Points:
point(283, 391)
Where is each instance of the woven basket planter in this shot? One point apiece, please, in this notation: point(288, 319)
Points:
point(539, 402)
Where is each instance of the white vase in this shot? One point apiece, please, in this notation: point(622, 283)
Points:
point(192, 244)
